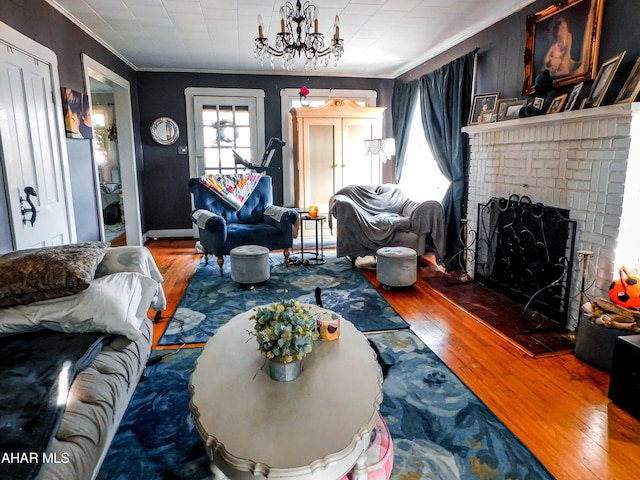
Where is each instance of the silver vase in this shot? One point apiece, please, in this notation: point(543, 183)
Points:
point(284, 372)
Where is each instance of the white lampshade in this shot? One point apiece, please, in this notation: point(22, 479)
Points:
point(389, 146)
point(373, 146)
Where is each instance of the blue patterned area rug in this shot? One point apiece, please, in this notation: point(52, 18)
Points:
point(440, 429)
point(211, 300)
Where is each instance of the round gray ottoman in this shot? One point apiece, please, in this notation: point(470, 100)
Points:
point(250, 264)
point(396, 266)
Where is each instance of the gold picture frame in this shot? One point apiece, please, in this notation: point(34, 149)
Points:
point(564, 39)
point(557, 103)
point(603, 79)
point(631, 87)
point(482, 107)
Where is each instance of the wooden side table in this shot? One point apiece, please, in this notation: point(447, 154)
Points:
point(315, 427)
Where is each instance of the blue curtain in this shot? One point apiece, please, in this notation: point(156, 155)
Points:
point(445, 100)
point(402, 108)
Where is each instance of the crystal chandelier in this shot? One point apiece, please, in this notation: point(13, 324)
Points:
point(380, 146)
point(302, 39)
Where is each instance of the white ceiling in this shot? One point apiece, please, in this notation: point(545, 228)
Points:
point(382, 38)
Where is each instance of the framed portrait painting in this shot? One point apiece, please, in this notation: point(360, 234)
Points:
point(564, 39)
point(483, 107)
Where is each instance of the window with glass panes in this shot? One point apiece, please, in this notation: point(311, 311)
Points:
point(225, 128)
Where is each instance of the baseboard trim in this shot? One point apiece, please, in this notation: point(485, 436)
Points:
point(168, 233)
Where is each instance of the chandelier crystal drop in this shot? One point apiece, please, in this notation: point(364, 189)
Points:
point(299, 36)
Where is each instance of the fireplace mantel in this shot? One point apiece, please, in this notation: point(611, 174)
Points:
point(554, 119)
point(585, 161)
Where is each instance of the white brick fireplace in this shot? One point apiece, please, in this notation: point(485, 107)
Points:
point(587, 161)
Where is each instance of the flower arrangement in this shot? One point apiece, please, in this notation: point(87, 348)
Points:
point(285, 331)
point(304, 91)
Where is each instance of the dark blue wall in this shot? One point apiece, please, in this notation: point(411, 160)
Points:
point(167, 203)
point(85, 203)
point(501, 49)
point(42, 23)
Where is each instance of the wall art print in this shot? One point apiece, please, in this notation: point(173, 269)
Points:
point(77, 114)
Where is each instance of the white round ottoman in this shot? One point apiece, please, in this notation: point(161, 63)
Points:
point(396, 266)
point(250, 264)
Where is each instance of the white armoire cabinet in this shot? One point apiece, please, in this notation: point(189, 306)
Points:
point(329, 150)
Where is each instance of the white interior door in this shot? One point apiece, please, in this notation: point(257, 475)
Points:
point(196, 98)
point(32, 152)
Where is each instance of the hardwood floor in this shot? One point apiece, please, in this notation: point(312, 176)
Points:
point(557, 406)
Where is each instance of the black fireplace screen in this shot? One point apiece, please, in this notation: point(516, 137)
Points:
point(525, 251)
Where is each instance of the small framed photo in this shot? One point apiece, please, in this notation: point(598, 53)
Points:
point(481, 106)
point(502, 106)
point(557, 103)
point(573, 97)
point(631, 87)
point(538, 102)
point(603, 79)
point(510, 108)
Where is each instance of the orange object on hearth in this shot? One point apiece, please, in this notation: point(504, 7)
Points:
point(313, 211)
point(625, 291)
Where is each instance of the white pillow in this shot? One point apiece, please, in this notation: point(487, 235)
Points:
point(133, 259)
point(115, 303)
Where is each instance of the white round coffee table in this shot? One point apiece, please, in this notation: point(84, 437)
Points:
point(315, 427)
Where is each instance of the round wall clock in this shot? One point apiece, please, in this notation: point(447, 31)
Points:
point(165, 131)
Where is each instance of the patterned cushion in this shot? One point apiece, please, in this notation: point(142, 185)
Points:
point(28, 276)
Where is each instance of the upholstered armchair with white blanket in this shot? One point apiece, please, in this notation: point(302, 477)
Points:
point(373, 216)
point(223, 226)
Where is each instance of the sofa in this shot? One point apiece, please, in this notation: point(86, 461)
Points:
point(74, 342)
point(369, 217)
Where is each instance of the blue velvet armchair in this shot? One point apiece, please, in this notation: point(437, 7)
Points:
point(257, 222)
